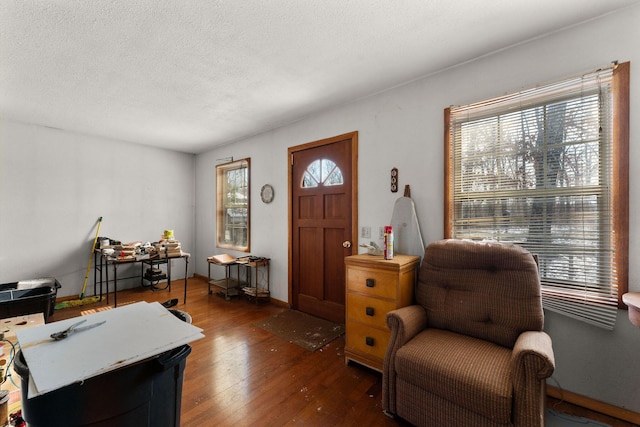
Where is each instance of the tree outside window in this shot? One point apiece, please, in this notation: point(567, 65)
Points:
point(545, 169)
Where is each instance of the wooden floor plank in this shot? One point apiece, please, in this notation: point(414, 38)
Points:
point(241, 375)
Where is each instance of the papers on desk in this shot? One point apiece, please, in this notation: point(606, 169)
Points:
point(222, 259)
point(132, 333)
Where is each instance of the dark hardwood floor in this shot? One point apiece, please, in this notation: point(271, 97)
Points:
point(241, 375)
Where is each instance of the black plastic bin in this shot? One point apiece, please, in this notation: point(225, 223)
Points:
point(28, 297)
point(147, 393)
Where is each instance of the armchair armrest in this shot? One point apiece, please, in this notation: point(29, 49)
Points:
point(532, 362)
point(534, 349)
point(404, 323)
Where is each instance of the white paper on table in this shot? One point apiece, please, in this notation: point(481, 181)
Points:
point(131, 333)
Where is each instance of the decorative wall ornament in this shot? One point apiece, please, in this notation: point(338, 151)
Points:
point(394, 180)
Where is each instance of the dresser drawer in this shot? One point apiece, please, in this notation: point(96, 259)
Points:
point(371, 311)
point(379, 283)
point(367, 340)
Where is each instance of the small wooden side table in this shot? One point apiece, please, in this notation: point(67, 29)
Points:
point(256, 291)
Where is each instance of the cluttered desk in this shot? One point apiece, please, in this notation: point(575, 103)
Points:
point(151, 256)
point(10, 400)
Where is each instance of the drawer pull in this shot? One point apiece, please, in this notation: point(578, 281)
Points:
point(369, 341)
point(371, 283)
point(369, 311)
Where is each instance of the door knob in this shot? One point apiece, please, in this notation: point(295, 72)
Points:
point(346, 244)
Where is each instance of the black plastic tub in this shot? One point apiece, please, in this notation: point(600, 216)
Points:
point(147, 393)
point(28, 297)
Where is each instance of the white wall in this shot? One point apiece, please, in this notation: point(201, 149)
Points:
point(403, 128)
point(54, 185)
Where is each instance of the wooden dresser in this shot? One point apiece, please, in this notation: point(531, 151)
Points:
point(374, 287)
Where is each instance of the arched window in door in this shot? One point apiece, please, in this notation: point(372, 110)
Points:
point(322, 172)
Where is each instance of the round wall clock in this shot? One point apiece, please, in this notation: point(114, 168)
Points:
point(266, 193)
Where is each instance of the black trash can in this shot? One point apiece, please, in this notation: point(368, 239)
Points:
point(147, 393)
point(28, 297)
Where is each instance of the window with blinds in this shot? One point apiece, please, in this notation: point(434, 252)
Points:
point(539, 168)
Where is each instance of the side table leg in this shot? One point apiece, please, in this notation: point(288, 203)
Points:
point(115, 284)
point(186, 273)
point(106, 273)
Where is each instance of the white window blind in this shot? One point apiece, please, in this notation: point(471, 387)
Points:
point(535, 168)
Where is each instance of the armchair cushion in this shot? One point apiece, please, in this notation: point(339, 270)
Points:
point(473, 288)
point(471, 372)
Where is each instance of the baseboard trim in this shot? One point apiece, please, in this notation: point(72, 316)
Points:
point(594, 405)
point(279, 303)
point(69, 298)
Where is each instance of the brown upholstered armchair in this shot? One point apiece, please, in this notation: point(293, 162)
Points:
point(471, 352)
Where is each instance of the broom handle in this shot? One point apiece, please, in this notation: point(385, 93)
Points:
point(93, 248)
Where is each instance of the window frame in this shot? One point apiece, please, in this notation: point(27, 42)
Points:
point(223, 204)
point(620, 179)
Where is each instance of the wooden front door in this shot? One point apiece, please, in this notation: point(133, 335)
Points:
point(323, 222)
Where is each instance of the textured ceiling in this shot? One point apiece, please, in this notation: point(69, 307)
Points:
point(190, 75)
